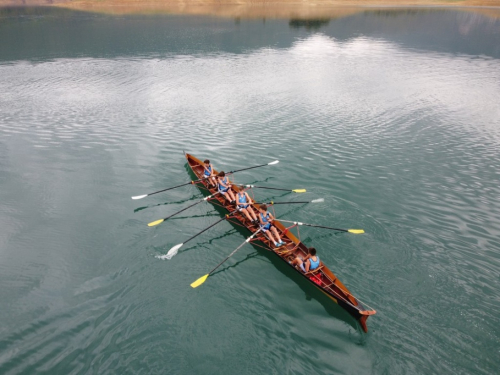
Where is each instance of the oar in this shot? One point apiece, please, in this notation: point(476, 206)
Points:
point(257, 166)
point(173, 251)
point(270, 188)
point(355, 231)
point(313, 201)
point(170, 188)
point(195, 181)
point(152, 224)
point(202, 279)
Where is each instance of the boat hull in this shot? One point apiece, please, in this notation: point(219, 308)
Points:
point(324, 279)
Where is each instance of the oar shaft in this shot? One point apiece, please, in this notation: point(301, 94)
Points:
point(273, 203)
point(214, 224)
point(268, 188)
point(235, 250)
point(184, 209)
point(194, 204)
point(321, 226)
point(245, 169)
point(312, 225)
point(175, 187)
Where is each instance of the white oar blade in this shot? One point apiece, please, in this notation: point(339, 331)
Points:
point(139, 196)
point(318, 200)
point(273, 162)
point(173, 251)
point(210, 196)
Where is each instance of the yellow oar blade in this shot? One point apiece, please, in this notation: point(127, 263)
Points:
point(200, 281)
point(356, 231)
point(299, 190)
point(152, 224)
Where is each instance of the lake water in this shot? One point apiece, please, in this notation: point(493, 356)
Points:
point(392, 117)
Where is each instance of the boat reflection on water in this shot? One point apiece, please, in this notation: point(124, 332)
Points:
point(311, 293)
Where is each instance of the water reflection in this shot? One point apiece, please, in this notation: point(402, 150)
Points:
point(310, 292)
point(313, 293)
point(60, 33)
point(314, 24)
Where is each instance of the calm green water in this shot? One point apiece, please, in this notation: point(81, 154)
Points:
point(391, 117)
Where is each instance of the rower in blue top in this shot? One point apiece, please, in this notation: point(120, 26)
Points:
point(309, 263)
point(224, 186)
point(244, 204)
point(266, 219)
point(208, 172)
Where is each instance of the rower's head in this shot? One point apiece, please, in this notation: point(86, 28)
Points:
point(207, 162)
point(312, 251)
point(221, 174)
point(263, 208)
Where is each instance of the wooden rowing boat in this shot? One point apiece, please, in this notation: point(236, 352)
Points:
point(321, 278)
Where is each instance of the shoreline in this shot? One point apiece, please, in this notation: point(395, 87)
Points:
point(277, 9)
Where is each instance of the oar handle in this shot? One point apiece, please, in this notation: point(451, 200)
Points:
point(214, 224)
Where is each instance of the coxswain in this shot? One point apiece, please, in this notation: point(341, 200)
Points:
point(309, 263)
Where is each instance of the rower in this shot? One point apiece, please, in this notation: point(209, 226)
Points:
point(265, 219)
point(208, 172)
point(244, 204)
point(309, 263)
point(224, 186)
